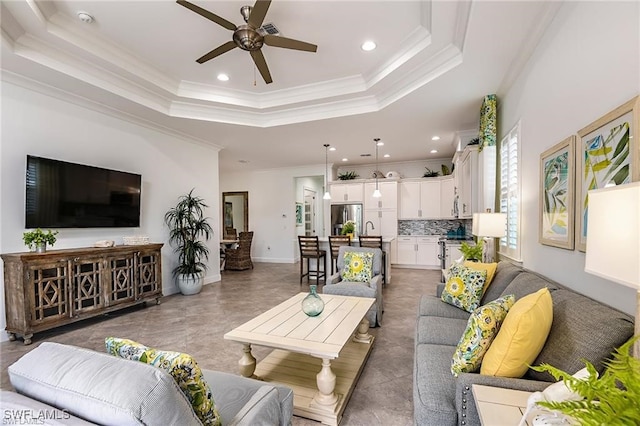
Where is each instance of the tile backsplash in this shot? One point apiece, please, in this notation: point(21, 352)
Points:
point(433, 227)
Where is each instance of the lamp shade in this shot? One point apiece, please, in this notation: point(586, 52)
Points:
point(489, 225)
point(613, 234)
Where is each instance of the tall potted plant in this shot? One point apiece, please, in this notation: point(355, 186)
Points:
point(188, 231)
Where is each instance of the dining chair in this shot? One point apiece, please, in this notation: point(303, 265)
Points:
point(375, 241)
point(239, 258)
point(310, 249)
point(335, 241)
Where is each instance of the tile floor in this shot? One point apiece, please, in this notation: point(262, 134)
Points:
point(196, 324)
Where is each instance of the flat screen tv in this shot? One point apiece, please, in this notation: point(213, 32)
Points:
point(68, 195)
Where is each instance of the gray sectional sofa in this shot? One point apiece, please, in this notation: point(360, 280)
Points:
point(582, 329)
point(68, 385)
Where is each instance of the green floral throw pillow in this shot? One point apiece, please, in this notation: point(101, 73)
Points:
point(464, 288)
point(482, 327)
point(182, 367)
point(358, 267)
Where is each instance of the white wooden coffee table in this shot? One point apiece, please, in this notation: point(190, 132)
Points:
point(307, 348)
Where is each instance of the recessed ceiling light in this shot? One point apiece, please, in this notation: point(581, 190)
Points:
point(85, 17)
point(433, 151)
point(345, 159)
point(386, 156)
point(435, 138)
point(368, 46)
point(223, 77)
point(333, 148)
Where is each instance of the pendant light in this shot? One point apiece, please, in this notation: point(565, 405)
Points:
point(377, 193)
point(327, 195)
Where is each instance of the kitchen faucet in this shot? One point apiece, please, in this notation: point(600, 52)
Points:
point(366, 227)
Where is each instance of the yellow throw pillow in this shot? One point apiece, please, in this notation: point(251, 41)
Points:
point(521, 337)
point(489, 267)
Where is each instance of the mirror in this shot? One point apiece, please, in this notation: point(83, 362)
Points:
point(235, 213)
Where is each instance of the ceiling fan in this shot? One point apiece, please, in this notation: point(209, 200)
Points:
point(247, 37)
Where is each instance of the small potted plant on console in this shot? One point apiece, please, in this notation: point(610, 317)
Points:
point(37, 239)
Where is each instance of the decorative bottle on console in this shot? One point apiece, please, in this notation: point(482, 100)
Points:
point(312, 304)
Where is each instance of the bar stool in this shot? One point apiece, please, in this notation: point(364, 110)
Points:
point(310, 249)
point(335, 241)
point(375, 241)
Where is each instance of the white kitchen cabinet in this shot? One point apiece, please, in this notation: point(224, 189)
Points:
point(406, 254)
point(349, 192)
point(385, 222)
point(418, 251)
point(420, 199)
point(477, 181)
point(389, 199)
point(468, 185)
point(447, 197)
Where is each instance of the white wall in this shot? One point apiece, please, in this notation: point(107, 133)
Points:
point(272, 214)
point(407, 169)
point(587, 64)
point(37, 124)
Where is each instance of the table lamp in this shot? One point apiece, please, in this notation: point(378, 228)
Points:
point(489, 226)
point(613, 239)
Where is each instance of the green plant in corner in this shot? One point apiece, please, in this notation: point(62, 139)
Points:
point(472, 252)
point(38, 237)
point(187, 228)
point(613, 398)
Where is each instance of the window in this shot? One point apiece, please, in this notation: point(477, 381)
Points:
point(510, 193)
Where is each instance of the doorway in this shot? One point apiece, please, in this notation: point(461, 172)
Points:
point(309, 211)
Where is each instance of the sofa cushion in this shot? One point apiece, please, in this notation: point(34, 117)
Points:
point(434, 306)
point(528, 282)
point(18, 409)
point(464, 287)
point(505, 273)
point(358, 267)
point(439, 330)
point(90, 385)
point(434, 386)
point(236, 394)
point(482, 328)
point(521, 337)
point(582, 329)
point(182, 367)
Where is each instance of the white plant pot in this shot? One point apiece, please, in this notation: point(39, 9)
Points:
point(190, 284)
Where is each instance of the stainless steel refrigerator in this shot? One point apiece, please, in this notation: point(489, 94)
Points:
point(340, 213)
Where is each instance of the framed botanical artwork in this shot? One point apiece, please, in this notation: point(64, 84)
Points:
point(557, 183)
point(299, 214)
point(607, 153)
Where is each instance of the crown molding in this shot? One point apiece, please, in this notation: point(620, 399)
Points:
point(72, 98)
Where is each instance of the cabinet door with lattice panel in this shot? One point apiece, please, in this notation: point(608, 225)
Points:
point(48, 291)
point(148, 274)
point(120, 285)
point(87, 284)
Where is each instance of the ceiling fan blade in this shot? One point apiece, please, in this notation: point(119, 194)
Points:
point(258, 12)
point(211, 16)
point(217, 52)
point(289, 43)
point(261, 63)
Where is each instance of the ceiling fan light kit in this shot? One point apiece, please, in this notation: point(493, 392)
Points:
point(249, 36)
